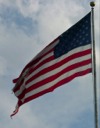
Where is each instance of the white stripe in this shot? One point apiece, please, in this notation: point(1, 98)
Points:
point(59, 69)
point(52, 83)
point(51, 73)
point(83, 48)
point(54, 71)
point(22, 88)
point(17, 93)
point(46, 49)
point(43, 58)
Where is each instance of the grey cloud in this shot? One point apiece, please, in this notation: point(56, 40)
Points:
point(10, 16)
point(3, 66)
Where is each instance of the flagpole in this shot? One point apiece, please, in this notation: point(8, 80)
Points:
point(92, 4)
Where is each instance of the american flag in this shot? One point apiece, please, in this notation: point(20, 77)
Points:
point(67, 57)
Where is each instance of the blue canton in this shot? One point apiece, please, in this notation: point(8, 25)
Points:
point(76, 36)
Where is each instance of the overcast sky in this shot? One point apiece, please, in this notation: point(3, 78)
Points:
point(26, 27)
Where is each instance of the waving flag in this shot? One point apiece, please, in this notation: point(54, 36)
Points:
point(67, 57)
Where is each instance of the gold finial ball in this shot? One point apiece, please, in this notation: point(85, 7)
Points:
point(92, 4)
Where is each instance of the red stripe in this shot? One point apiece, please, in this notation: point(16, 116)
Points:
point(22, 94)
point(18, 86)
point(31, 65)
point(60, 83)
point(47, 60)
point(42, 63)
point(56, 65)
point(75, 55)
point(53, 67)
point(53, 77)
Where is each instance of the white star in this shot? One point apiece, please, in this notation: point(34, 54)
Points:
point(83, 32)
point(80, 30)
point(86, 28)
point(83, 38)
point(86, 34)
point(80, 36)
point(86, 21)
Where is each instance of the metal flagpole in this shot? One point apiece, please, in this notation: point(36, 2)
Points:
point(92, 4)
